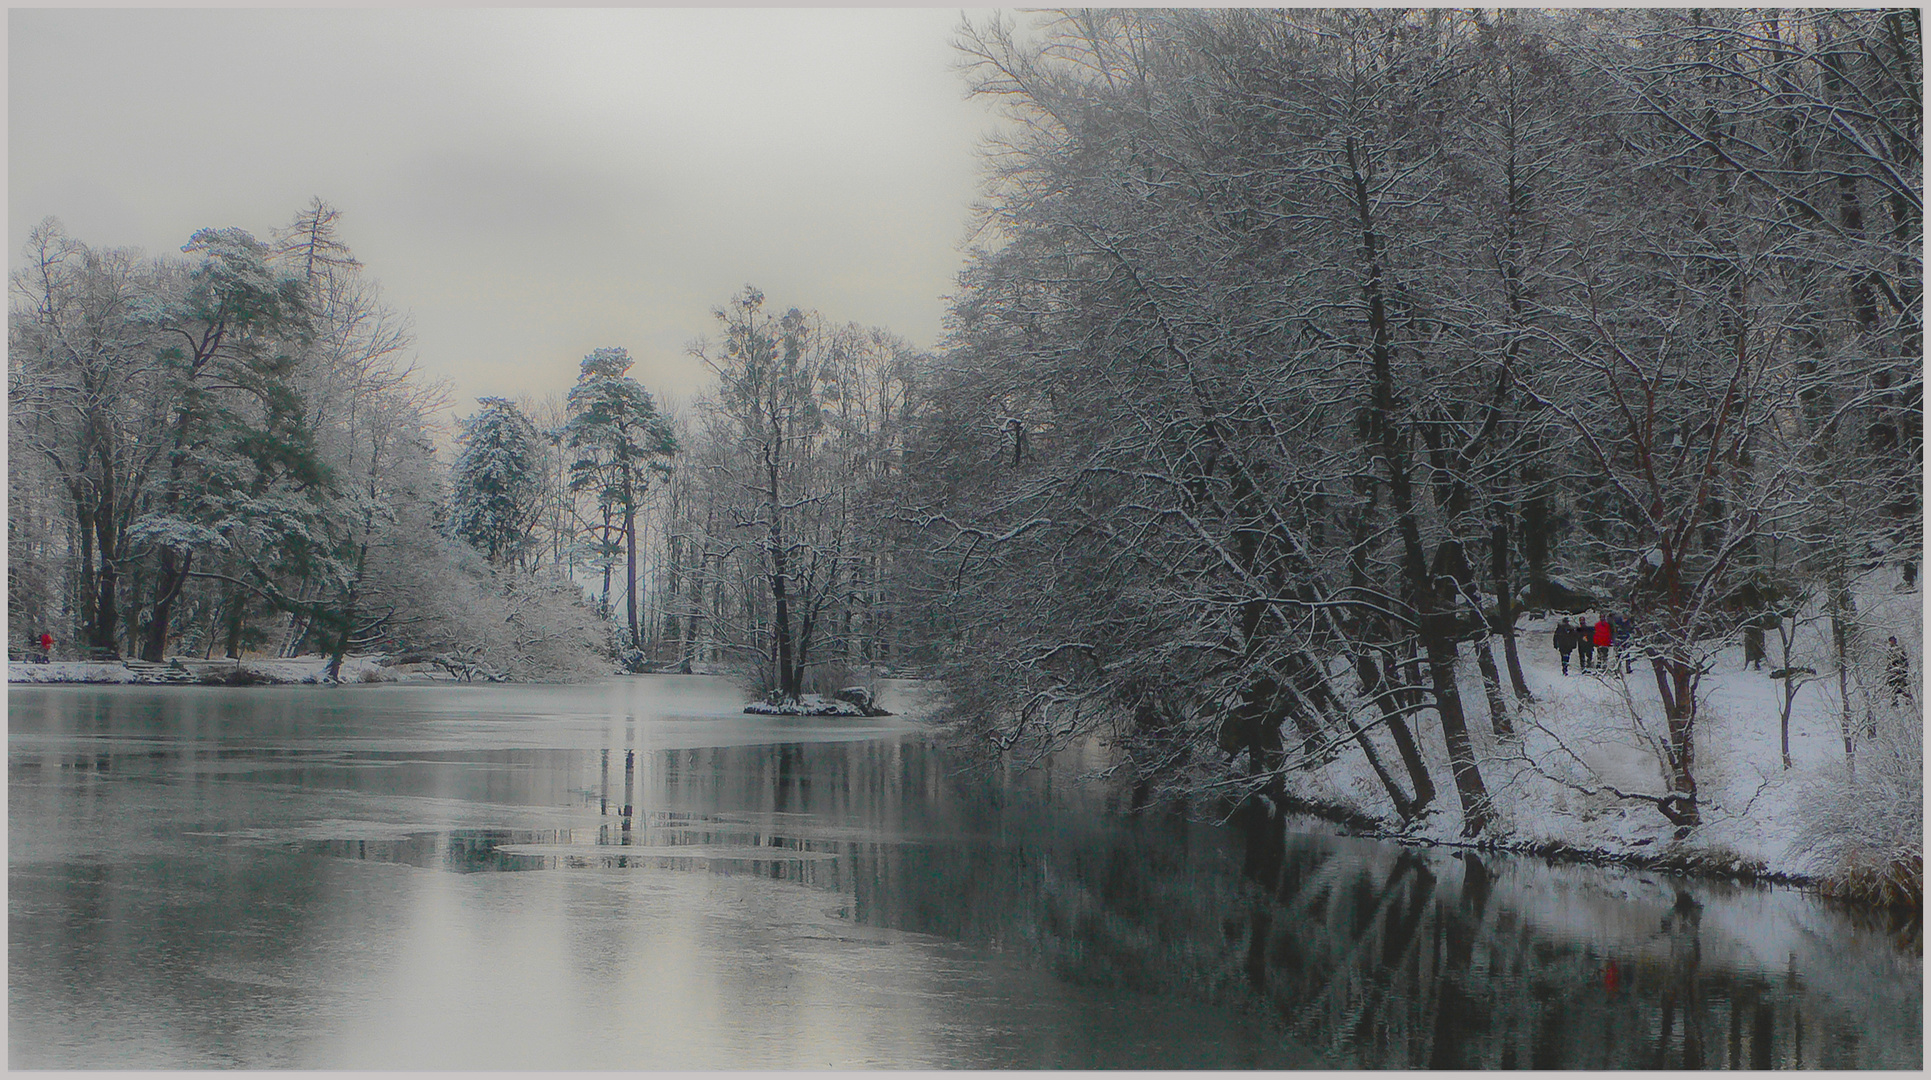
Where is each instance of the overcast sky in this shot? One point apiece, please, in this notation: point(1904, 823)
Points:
point(527, 185)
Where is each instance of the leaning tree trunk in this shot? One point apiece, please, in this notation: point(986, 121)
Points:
point(1437, 633)
point(1381, 683)
point(1405, 805)
point(1498, 705)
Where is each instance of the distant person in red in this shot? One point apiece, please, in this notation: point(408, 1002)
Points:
point(1605, 636)
point(46, 646)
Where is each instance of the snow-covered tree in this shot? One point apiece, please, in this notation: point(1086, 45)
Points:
point(496, 482)
point(86, 411)
point(241, 473)
point(232, 451)
point(1289, 323)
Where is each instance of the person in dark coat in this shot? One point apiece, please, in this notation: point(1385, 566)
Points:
point(1565, 641)
point(1603, 637)
point(1619, 626)
point(1753, 645)
point(1897, 671)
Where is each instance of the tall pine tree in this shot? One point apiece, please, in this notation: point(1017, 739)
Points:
point(619, 439)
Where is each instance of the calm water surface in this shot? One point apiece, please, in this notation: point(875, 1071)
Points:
point(632, 874)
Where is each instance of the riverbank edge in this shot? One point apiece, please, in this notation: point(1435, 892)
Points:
point(1714, 865)
point(178, 671)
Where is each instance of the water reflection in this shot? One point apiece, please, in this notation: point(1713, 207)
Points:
point(202, 880)
point(1397, 959)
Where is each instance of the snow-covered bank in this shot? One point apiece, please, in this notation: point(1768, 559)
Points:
point(1572, 781)
point(70, 671)
point(181, 671)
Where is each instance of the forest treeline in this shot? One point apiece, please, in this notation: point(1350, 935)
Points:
point(1298, 352)
point(1312, 343)
point(230, 451)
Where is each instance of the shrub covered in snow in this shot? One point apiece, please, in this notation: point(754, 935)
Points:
point(505, 621)
point(1863, 827)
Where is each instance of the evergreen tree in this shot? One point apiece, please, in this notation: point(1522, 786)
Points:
point(496, 482)
point(242, 474)
point(619, 439)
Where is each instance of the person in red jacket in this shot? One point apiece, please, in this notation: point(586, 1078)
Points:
point(46, 646)
point(1604, 637)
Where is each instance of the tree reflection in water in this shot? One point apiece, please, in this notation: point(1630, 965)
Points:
point(222, 920)
point(1391, 959)
point(1373, 954)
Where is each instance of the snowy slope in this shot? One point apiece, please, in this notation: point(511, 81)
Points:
point(1593, 731)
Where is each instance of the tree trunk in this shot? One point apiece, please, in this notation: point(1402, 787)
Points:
point(1469, 788)
point(174, 574)
point(1383, 692)
point(107, 583)
point(630, 572)
point(1437, 631)
point(1676, 683)
point(1405, 743)
point(298, 627)
point(693, 611)
point(237, 616)
point(788, 681)
point(1840, 616)
point(603, 551)
point(1498, 705)
point(348, 605)
point(90, 621)
point(1505, 602)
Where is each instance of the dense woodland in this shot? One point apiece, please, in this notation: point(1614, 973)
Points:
point(1298, 353)
point(1313, 343)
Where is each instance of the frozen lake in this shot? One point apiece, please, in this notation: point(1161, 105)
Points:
point(633, 875)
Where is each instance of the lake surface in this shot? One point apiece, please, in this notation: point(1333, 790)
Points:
point(633, 875)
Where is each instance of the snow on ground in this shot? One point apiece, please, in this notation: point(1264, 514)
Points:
point(1595, 730)
point(298, 669)
point(311, 669)
point(809, 705)
point(69, 671)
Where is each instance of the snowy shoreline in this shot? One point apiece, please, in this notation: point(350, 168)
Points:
point(1686, 861)
point(180, 671)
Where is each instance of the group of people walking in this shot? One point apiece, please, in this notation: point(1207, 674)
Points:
point(1594, 639)
point(1586, 638)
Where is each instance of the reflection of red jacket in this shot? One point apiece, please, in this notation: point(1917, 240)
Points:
point(1603, 634)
